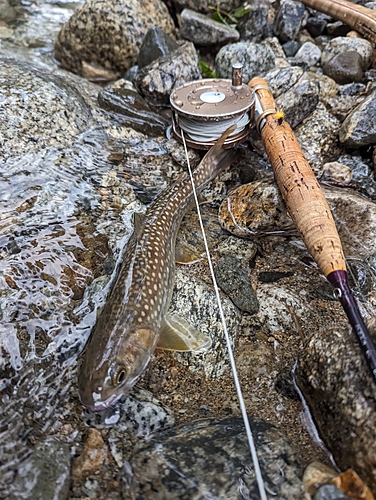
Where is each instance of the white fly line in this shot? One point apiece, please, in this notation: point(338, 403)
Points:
point(260, 481)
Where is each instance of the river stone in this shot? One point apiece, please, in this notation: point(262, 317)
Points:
point(343, 44)
point(109, 34)
point(257, 208)
point(280, 80)
point(300, 100)
point(204, 31)
point(255, 58)
point(359, 128)
point(330, 492)
point(309, 53)
point(348, 97)
point(344, 68)
point(316, 25)
point(195, 300)
point(157, 80)
point(156, 44)
point(37, 110)
point(45, 474)
point(206, 5)
point(123, 99)
point(290, 48)
point(318, 138)
point(257, 24)
point(211, 457)
point(289, 19)
point(233, 279)
point(340, 390)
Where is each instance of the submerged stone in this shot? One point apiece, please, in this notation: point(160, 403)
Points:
point(210, 455)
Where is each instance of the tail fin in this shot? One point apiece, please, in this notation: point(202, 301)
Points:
point(215, 160)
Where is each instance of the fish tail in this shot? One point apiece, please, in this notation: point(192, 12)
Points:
point(216, 159)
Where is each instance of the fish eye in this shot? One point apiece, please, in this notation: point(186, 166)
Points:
point(119, 375)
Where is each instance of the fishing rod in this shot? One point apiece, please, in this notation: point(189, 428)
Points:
point(308, 207)
point(358, 17)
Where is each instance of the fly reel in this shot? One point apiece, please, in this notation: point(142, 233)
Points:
point(204, 109)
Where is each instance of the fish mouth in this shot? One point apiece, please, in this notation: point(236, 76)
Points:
point(104, 405)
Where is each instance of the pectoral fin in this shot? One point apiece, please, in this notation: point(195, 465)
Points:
point(184, 254)
point(176, 334)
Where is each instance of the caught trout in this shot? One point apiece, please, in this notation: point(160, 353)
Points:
point(134, 320)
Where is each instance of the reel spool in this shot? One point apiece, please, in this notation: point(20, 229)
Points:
point(204, 109)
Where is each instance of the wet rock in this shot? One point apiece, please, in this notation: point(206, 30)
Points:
point(148, 165)
point(291, 47)
point(204, 5)
point(122, 99)
point(359, 128)
point(45, 474)
point(361, 174)
point(195, 300)
point(339, 388)
point(280, 80)
point(316, 25)
point(257, 208)
point(204, 31)
point(315, 475)
point(341, 45)
point(109, 34)
point(156, 44)
point(309, 53)
point(288, 20)
point(345, 67)
point(257, 24)
point(94, 455)
point(210, 455)
point(139, 413)
point(330, 492)
point(233, 279)
point(301, 100)
point(243, 249)
point(156, 81)
point(190, 243)
point(256, 59)
point(37, 110)
point(243, 213)
point(131, 74)
point(318, 138)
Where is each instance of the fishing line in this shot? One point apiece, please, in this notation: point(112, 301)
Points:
point(211, 131)
point(260, 481)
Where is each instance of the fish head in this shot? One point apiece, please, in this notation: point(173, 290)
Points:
point(103, 381)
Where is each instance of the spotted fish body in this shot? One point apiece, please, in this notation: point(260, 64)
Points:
point(129, 326)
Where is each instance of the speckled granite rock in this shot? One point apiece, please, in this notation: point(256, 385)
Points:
point(344, 68)
point(359, 128)
point(309, 53)
point(195, 300)
point(139, 413)
point(342, 44)
point(257, 208)
point(289, 19)
point(37, 110)
point(301, 100)
point(233, 279)
point(340, 390)
point(257, 24)
point(203, 5)
point(318, 138)
point(213, 456)
point(109, 34)
point(256, 59)
point(203, 30)
point(122, 98)
point(156, 81)
point(280, 80)
point(45, 474)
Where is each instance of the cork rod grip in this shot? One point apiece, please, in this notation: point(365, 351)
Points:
point(300, 190)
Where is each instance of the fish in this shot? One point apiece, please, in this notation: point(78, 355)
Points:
point(135, 319)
